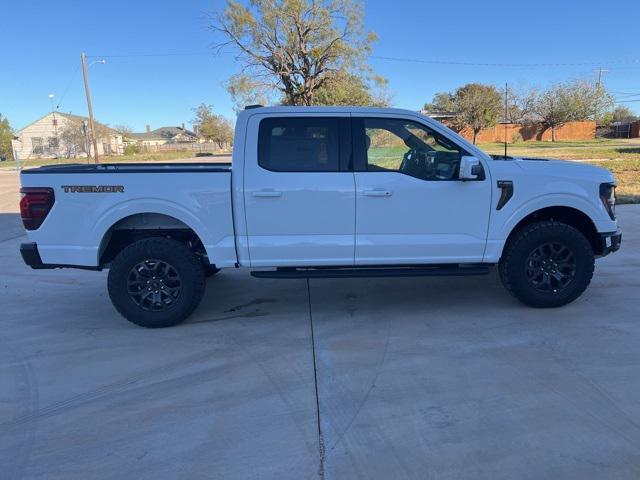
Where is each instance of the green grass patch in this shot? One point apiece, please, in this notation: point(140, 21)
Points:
point(627, 173)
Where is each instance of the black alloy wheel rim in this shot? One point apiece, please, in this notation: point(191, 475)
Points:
point(154, 285)
point(550, 267)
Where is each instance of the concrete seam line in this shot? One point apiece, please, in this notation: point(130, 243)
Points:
point(12, 238)
point(321, 450)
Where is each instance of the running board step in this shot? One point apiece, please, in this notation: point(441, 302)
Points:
point(371, 272)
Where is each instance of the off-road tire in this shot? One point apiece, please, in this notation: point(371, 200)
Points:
point(209, 270)
point(185, 263)
point(513, 264)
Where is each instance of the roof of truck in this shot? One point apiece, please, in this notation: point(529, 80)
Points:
point(339, 109)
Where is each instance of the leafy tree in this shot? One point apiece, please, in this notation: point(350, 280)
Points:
point(623, 114)
point(442, 103)
point(344, 88)
point(6, 135)
point(213, 128)
point(568, 102)
point(477, 106)
point(245, 90)
point(294, 47)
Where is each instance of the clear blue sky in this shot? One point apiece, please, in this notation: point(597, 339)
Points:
point(43, 41)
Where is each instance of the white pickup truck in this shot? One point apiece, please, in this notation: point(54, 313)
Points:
point(320, 192)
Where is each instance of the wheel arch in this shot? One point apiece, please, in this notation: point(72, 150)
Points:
point(128, 228)
point(561, 213)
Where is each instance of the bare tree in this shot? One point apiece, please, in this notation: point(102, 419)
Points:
point(520, 101)
point(293, 46)
point(124, 130)
point(73, 136)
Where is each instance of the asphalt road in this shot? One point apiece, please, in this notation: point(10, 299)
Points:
point(416, 378)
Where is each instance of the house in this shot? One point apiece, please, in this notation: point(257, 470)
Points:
point(438, 115)
point(63, 135)
point(164, 135)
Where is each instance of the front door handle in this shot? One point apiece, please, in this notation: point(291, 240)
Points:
point(267, 193)
point(377, 192)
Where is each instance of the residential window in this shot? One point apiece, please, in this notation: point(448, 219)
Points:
point(398, 145)
point(36, 145)
point(299, 144)
point(54, 142)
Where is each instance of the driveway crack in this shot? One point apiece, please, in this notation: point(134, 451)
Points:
point(321, 448)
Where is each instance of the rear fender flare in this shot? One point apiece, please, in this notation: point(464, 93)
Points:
point(150, 205)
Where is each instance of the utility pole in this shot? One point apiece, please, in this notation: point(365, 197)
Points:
point(598, 91)
point(83, 59)
point(506, 115)
point(55, 126)
point(600, 72)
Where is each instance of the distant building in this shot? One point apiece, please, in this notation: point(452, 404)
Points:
point(164, 135)
point(440, 116)
point(63, 135)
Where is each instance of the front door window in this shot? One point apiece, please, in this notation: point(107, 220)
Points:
point(397, 145)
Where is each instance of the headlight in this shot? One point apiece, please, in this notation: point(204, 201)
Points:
point(608, 197)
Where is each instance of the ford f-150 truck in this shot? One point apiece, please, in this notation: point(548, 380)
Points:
point(322, 192)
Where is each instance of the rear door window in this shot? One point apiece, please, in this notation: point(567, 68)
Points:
point(302, 144)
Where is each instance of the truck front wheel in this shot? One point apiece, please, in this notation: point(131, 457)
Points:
point(547, 264)
point(156, 282)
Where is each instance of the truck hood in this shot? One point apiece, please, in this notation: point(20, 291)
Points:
point(564, 168)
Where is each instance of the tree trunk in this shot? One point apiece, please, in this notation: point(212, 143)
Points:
point(475, 135)
point(553, 133)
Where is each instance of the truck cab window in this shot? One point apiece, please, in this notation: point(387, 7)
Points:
point(407, 147)
point(299, 144)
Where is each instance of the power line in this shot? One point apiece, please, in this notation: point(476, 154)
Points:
point(73, 76)
point(504, 64)
point(622, 94)
point(134, 55)
point(400, 59)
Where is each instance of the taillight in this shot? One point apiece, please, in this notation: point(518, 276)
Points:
point(35, 205)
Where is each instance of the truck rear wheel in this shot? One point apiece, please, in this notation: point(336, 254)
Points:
point(156, 282)
point(547, 264)
point(209, 270)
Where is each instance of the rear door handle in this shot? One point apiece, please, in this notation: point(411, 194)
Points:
point(267, 193)
point(377, 192)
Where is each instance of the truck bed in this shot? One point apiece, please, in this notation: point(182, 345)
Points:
point(90, 199)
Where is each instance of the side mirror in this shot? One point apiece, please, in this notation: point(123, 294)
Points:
point(470, 169)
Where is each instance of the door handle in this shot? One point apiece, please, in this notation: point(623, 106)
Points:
point(266, 193)
point(377, 192)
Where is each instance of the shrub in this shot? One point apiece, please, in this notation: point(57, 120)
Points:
point(516, 137)
point(131, 149)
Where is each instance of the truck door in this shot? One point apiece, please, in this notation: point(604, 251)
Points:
point(299, 193)
point(411, 207)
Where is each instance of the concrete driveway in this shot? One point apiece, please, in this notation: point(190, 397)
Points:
point(416, 378)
